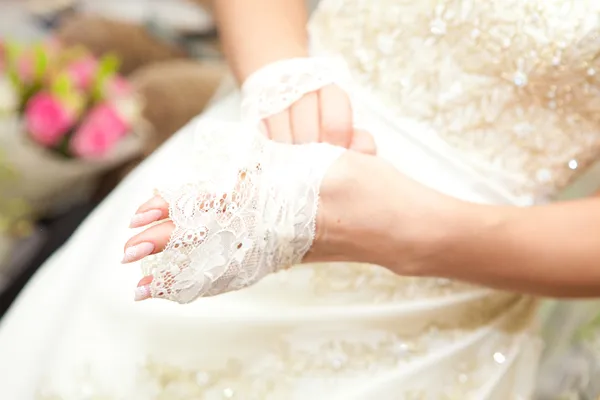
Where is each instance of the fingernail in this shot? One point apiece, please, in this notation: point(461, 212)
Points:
point(137, 252)
point(142, 293)
point(145, 218)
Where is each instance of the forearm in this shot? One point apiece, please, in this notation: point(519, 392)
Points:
point(255, 33)
point(551, 250)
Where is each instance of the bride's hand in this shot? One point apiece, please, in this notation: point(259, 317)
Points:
point(323, 116)
point(254, 207)
point(239, 208)
point(333, 220)
point(305, 100)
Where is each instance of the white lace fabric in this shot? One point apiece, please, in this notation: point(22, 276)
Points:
point(251, 211)
point(275, 87)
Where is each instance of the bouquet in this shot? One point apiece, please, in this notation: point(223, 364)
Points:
point(14, 223)
point(65, 117)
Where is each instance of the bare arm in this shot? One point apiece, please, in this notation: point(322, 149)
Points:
point(549, 250)
point(546, 250)
point(257, 32)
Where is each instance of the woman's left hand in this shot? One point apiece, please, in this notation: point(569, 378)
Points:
point(322, 116)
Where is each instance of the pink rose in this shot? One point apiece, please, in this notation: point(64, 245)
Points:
point(117, 86)
point(99, 132)
point(47, 119)
point(82, 72)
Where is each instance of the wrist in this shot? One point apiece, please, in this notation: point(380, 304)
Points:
point(395, 222)
point(257, 59)
point(350, 216)
point(426, 226)
point(465, 231)
point(389, 221)
point(276, 86)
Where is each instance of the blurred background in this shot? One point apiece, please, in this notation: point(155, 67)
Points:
point(88, 89)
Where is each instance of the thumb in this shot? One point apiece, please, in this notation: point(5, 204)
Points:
point(142, 291)
point(363, 142)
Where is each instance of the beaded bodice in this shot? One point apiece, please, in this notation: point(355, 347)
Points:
point(510, 85)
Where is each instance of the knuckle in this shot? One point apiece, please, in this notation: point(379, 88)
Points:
point(336, 130)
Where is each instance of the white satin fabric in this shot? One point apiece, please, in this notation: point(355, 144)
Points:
point(344, 331)
point(335, 331)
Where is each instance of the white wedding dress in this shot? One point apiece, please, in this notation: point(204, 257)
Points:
point(491, 101)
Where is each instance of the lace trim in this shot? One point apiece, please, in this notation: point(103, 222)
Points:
point(465, 347)
point(275, 87)
point(250, 211)
point(513, 88)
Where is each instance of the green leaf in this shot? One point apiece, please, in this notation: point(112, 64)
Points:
point(41, 61)
point(108, 66)
point(12, 52)
point(63, 148)
point(12, 55)
point(62, 86)
point(64, 89)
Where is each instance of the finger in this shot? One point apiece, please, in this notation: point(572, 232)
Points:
point(151, 241)
point(151, 211)
point(363, 142)
point(304, 117)
point(142, 291)
point(336, 116)
point(264, 129)
point(279, 127)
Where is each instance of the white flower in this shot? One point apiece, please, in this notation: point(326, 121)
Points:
point(129, 108)
point(9, 99)
point(207, 264)
point(210, 258)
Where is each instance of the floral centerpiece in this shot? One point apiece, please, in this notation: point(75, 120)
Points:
point(65, 117)
point(14, 213)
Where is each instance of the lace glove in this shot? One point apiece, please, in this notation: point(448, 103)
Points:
point(249, 211)
point(275, 87)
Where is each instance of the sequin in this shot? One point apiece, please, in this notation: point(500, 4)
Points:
point(520, 79)
point(499, 358)
point(517, 61)
point(544, 175)
point(453, 67)
point(493, 324)
point(376, 284)
point(573, 164)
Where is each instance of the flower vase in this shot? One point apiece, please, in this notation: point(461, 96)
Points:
point(49, 182)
